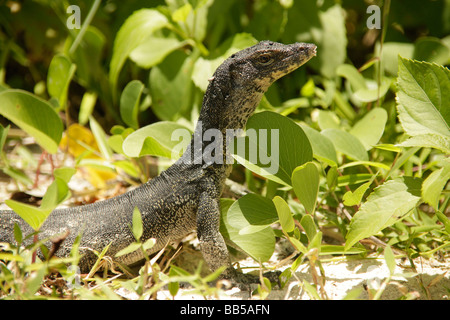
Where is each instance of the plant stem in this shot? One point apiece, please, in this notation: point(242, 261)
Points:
point(86, 23)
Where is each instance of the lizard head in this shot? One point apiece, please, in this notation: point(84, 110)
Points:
point(257, 67)
point(240, 81)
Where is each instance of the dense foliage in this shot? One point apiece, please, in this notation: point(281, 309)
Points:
point(364, 126)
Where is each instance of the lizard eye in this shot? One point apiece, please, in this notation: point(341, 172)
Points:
point(265, 59)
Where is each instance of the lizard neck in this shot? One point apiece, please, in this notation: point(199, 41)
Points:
point(225, 110)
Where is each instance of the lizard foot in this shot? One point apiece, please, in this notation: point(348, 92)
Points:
point(244, 281)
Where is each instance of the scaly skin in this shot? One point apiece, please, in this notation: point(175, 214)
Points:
point(186, 196)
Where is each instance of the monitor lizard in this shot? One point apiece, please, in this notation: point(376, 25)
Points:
point(184, 197)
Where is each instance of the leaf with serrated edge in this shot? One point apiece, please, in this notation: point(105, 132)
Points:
point(385, 205)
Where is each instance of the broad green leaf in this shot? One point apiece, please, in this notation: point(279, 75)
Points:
point(154, 50)
point(305, 181)
point(251, 213)
point(284, 214)
point(390, 53)
point(423, 96)
point(328, 120)
point(350, 73)
point(431, 49)
point(159, 139)
point(370, 128)
point(323, 148)
point(137, 224)
point(135, 31)
point(386, 205)
point(35, 217)
point(274, 147)
point(323, 24)
point(434, 184)
point(171, 85)
point(34, 115)
point(373, 93)
point(259, 245)
point(346, 143)
point(60, 73)
point(430, 140)
point(129, 103)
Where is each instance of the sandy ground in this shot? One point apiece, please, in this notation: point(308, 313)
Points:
point(354, 276)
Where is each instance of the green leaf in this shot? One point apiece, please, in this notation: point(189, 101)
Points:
point(35, 217)
point(100, 138)
point(278, 139)
point(171, 85)
point(436, 141)
point(323, 24)
point(34, 115)
point(386, 205)
point(3, 136)
point(431, 49)
point(346, 143)
point(135, 31)
point(323, 148)
point(305, 181)
point(58, 191)
point(284, 214)
point(422, 97)
point(87, 107)
point(129, 103)
point(370, 128)
point(309, 226)
point(260, 245)
point(60, 73)
point(137, 227)
point(18, 236)
point(129, 249)
point(328, 120)
point(354, 198)
point(252, 213)
point(159, 139)
point(446, 221)
point(173, 286)
point(355, 78)
point(373, 93)
point(434, 184)
point(154, 50)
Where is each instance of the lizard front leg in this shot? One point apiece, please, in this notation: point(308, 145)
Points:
point(212, 244)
